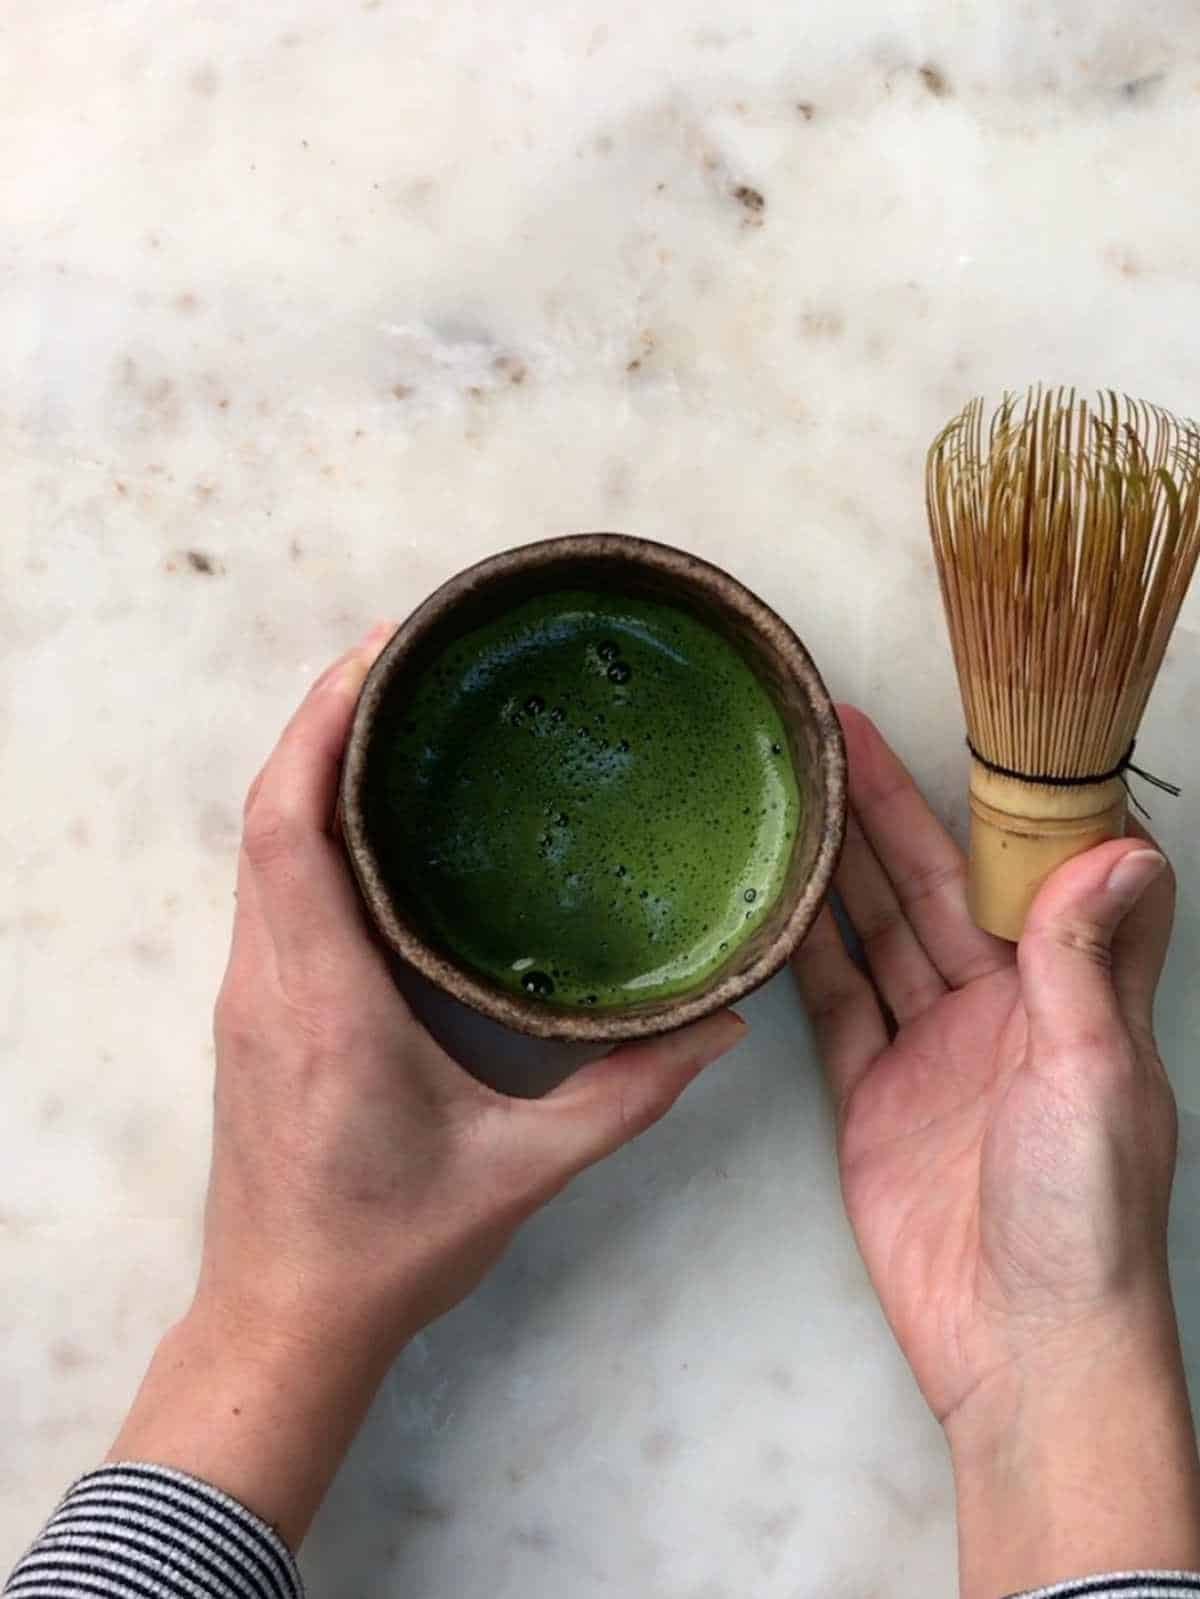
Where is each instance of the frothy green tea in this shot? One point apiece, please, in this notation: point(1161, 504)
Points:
point(590, 800)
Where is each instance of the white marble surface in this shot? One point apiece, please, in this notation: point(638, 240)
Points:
point(304, 305)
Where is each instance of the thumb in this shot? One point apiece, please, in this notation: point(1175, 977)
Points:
point(1065, 954)
point(610, 1101)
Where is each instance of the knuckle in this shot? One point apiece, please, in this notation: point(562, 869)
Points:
point(974, 966)
point(914, 998)
point(323, 1031)
point(485, 1133)
point(524, 1188)
point(877, 925)
point(1080, 938)
point(830, 1004)
point(883, 796)
point(642, 1108)
point(1160, 1090)
point(252, 793)
point(1141, 1031)
point(270, 834)
point(925, 881)
point(235, 1017)
point(1101, 1060)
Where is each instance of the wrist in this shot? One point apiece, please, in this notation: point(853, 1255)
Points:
point(309, 1311)
point(1079, 1458)
point(262, 1411)
point(286, 1327)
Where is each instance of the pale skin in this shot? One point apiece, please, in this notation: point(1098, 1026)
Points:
point(1006, 1162)
point(1005, 1129)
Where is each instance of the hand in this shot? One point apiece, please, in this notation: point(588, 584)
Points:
point(1007, 1143)
point(362, 1181)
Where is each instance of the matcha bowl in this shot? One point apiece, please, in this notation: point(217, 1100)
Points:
point(595, 788)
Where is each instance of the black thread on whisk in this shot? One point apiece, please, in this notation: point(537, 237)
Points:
point(1121, 769)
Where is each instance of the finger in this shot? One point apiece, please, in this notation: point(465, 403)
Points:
point(924, 865)
point(906, 977)
point(847, 1023)
point(251, 942)
point(302, 772)
point(1066, 952)
point(612, 1100)
point(1140, 945)
point(303, 885)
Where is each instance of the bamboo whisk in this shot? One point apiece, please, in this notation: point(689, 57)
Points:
point(1065, 536)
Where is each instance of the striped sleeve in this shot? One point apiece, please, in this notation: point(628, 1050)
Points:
point(145, 1532)
point(1126, 1585)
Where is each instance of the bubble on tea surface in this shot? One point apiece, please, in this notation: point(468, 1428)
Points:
point(669, 812)
point(619, 672)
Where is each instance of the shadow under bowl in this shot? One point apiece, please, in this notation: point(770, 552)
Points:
point(613, 563)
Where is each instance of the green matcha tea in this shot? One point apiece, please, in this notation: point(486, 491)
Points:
point(589, 800)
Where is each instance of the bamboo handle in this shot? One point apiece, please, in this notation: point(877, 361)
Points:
point(1022, 832)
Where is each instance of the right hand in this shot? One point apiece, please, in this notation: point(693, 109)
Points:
point(1007, 1145)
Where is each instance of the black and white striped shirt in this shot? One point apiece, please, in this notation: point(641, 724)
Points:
point(1125, 1585)
point(144, 1532)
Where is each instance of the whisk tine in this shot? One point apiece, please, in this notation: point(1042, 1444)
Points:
point(1065, 535)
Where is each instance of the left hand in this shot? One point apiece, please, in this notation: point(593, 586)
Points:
point(383, 1179)
point(362, 1181)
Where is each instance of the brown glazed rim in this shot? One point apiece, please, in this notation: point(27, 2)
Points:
point(728, 598)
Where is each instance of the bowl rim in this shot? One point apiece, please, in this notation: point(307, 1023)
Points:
point(528, 1016)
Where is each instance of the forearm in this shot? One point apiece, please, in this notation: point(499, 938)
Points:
point(266, 1419)
point(1082, 1465)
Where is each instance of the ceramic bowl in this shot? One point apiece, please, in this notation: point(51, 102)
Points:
point(616, 563)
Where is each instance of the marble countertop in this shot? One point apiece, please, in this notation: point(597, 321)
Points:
point(303, 306)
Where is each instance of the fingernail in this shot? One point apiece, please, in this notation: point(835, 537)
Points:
point(378, 636)
point(330, 672)
point(725, 1031)
point(1133, 874)
point(348, 674)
